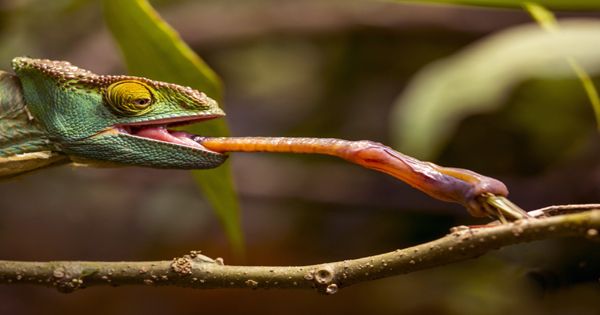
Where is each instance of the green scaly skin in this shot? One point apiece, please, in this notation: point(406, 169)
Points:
point(52, 112)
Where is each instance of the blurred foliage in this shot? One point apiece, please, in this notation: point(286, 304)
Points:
point(548, 22)
point(551, 4)
point(153, 49)
point(20, 19)
point(478, 78)
point(544, 124)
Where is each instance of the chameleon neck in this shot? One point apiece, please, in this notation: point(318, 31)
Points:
point(24, 146)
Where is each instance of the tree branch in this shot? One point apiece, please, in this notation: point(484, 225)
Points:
point(198, 271)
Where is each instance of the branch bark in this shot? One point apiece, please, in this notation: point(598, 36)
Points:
point(201, 272)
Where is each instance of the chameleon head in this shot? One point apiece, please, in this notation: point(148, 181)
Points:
point(116, 119)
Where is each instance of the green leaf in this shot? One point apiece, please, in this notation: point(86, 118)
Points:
point(479, 77)
point(152, 49)
point(517, 4)
point(544, 17)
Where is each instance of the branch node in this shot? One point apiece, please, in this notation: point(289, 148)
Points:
point(324, 278)
point(324, 275)
point(331, 289)
point(182, 265)
point(67, 279)
point(591, 234)
point(251, 283)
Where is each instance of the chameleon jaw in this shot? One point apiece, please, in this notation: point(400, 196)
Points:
point(159, 131)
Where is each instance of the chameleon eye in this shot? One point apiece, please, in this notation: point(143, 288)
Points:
point(129, 97)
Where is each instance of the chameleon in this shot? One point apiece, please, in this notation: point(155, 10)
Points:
point(54, 113)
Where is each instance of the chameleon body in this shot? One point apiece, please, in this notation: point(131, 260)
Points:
point(53, 113)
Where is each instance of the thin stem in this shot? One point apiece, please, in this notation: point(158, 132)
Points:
point(198, 271)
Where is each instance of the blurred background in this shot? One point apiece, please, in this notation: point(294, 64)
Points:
point(320, 69)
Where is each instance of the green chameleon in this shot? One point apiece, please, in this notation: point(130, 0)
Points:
point(54, 113)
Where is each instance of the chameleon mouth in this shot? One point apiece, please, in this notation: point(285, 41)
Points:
point(159, 130)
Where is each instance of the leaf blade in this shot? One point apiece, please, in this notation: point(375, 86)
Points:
point(478, 78)
point(151, 48)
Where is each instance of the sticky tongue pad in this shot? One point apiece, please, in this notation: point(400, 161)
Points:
point(161, 133)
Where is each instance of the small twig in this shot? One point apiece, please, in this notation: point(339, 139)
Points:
point(562, 209)
point(198, 271)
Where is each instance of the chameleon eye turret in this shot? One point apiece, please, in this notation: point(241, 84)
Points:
point(129, 97)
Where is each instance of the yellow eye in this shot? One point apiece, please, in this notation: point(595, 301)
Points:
point(129, 97)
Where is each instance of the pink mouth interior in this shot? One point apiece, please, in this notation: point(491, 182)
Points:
point(158, 131)
point(161, 133)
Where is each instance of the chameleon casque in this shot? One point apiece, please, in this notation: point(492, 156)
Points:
point(54, 113)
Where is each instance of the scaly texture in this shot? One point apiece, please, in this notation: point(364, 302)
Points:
point(53, 111)
point(24, 145)
point(19, 133)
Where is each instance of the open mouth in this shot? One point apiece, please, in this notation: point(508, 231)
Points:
point(159, 130)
